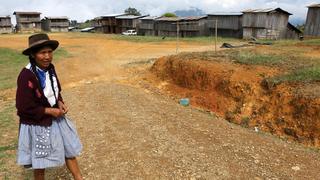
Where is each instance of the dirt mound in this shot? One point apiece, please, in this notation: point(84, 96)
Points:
point(240, 94)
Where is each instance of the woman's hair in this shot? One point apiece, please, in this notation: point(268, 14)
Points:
point(50, 70)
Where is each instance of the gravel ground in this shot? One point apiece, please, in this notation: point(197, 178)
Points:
point(132, 133)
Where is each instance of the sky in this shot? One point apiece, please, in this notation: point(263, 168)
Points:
point(82, 10)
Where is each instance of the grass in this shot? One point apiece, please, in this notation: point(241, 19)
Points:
point(11, 63)
point(300, 75)
point(313, 42)
point(7, 123)
point(253, 58)
point(141, 39)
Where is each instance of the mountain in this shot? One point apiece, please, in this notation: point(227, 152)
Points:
point(190, 12)
point(297, 21)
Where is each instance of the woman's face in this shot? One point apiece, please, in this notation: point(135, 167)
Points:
point(43, 57)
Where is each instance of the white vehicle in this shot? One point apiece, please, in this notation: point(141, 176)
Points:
point(130, 33)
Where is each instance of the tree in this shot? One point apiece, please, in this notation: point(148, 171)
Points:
point(169, 15)
point(132, 11)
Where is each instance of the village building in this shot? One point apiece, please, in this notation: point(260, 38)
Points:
point(167, 26)
point(185, 26)
point(5, 24)
point(228, 24)
point(193, 26)
point(28, 21)
point(55, 24)
point(293, 32)
point(146, 26)
point(265, 23)
point(107, 24)
point(312, 27)
point(128, 22)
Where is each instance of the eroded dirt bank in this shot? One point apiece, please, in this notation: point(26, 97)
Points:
point(240, 94)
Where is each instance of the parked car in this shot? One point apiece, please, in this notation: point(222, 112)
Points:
point(130, 32)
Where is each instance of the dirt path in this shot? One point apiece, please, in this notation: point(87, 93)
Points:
point(132, 133)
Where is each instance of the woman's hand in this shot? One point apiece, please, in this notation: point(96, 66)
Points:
point(63, 107)
point(55, 112)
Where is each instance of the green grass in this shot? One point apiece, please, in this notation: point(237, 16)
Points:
point(7, 123)
point(12, 61)
point(313, 42)
point(141, 39)
point(300, 75)
point(252, 58)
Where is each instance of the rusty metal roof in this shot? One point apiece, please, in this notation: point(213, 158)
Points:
point(21, 12)
point(268, 10)
point(314, 6)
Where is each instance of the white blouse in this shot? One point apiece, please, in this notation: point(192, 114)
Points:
point(48, 92)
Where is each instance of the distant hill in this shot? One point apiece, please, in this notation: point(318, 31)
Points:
point(190, 12)
point(297, 21)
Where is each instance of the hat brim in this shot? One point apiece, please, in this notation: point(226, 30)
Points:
point(51, 43)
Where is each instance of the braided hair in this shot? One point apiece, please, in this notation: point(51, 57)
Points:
point(50, 70)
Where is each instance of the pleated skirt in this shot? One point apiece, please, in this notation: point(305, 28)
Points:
point(44, 147)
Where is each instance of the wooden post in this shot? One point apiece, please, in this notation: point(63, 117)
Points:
point(177, 45)
point(216, 34)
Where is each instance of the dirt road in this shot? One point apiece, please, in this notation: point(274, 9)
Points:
point(132, 133)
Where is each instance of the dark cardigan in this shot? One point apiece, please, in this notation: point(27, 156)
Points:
point(31, 101)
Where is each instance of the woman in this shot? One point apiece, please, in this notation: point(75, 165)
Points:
point(46, 137)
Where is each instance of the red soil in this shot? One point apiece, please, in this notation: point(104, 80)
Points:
point(240, 95)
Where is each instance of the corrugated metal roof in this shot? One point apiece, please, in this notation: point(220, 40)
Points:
point(265, 10)
point(226, 14)
point(314, 6)
point(193, 18)
point(150, 18)
point(57, 17)
point(113, 15)
point(130, 17)
point(21, 12)
point(190, 18)
point(4, 17)
point(169, 19)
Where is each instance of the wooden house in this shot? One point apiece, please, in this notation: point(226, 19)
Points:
point(265, 23)
point(293, 32)
point(108, 24)
point(228, 24)
point(128, 22)
point(313, 21)
point(167, 26)
point(146, 26)
point(5, 24)
point(28, 21)
point(55, 24)
point(186, 26)
point(193, 26)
